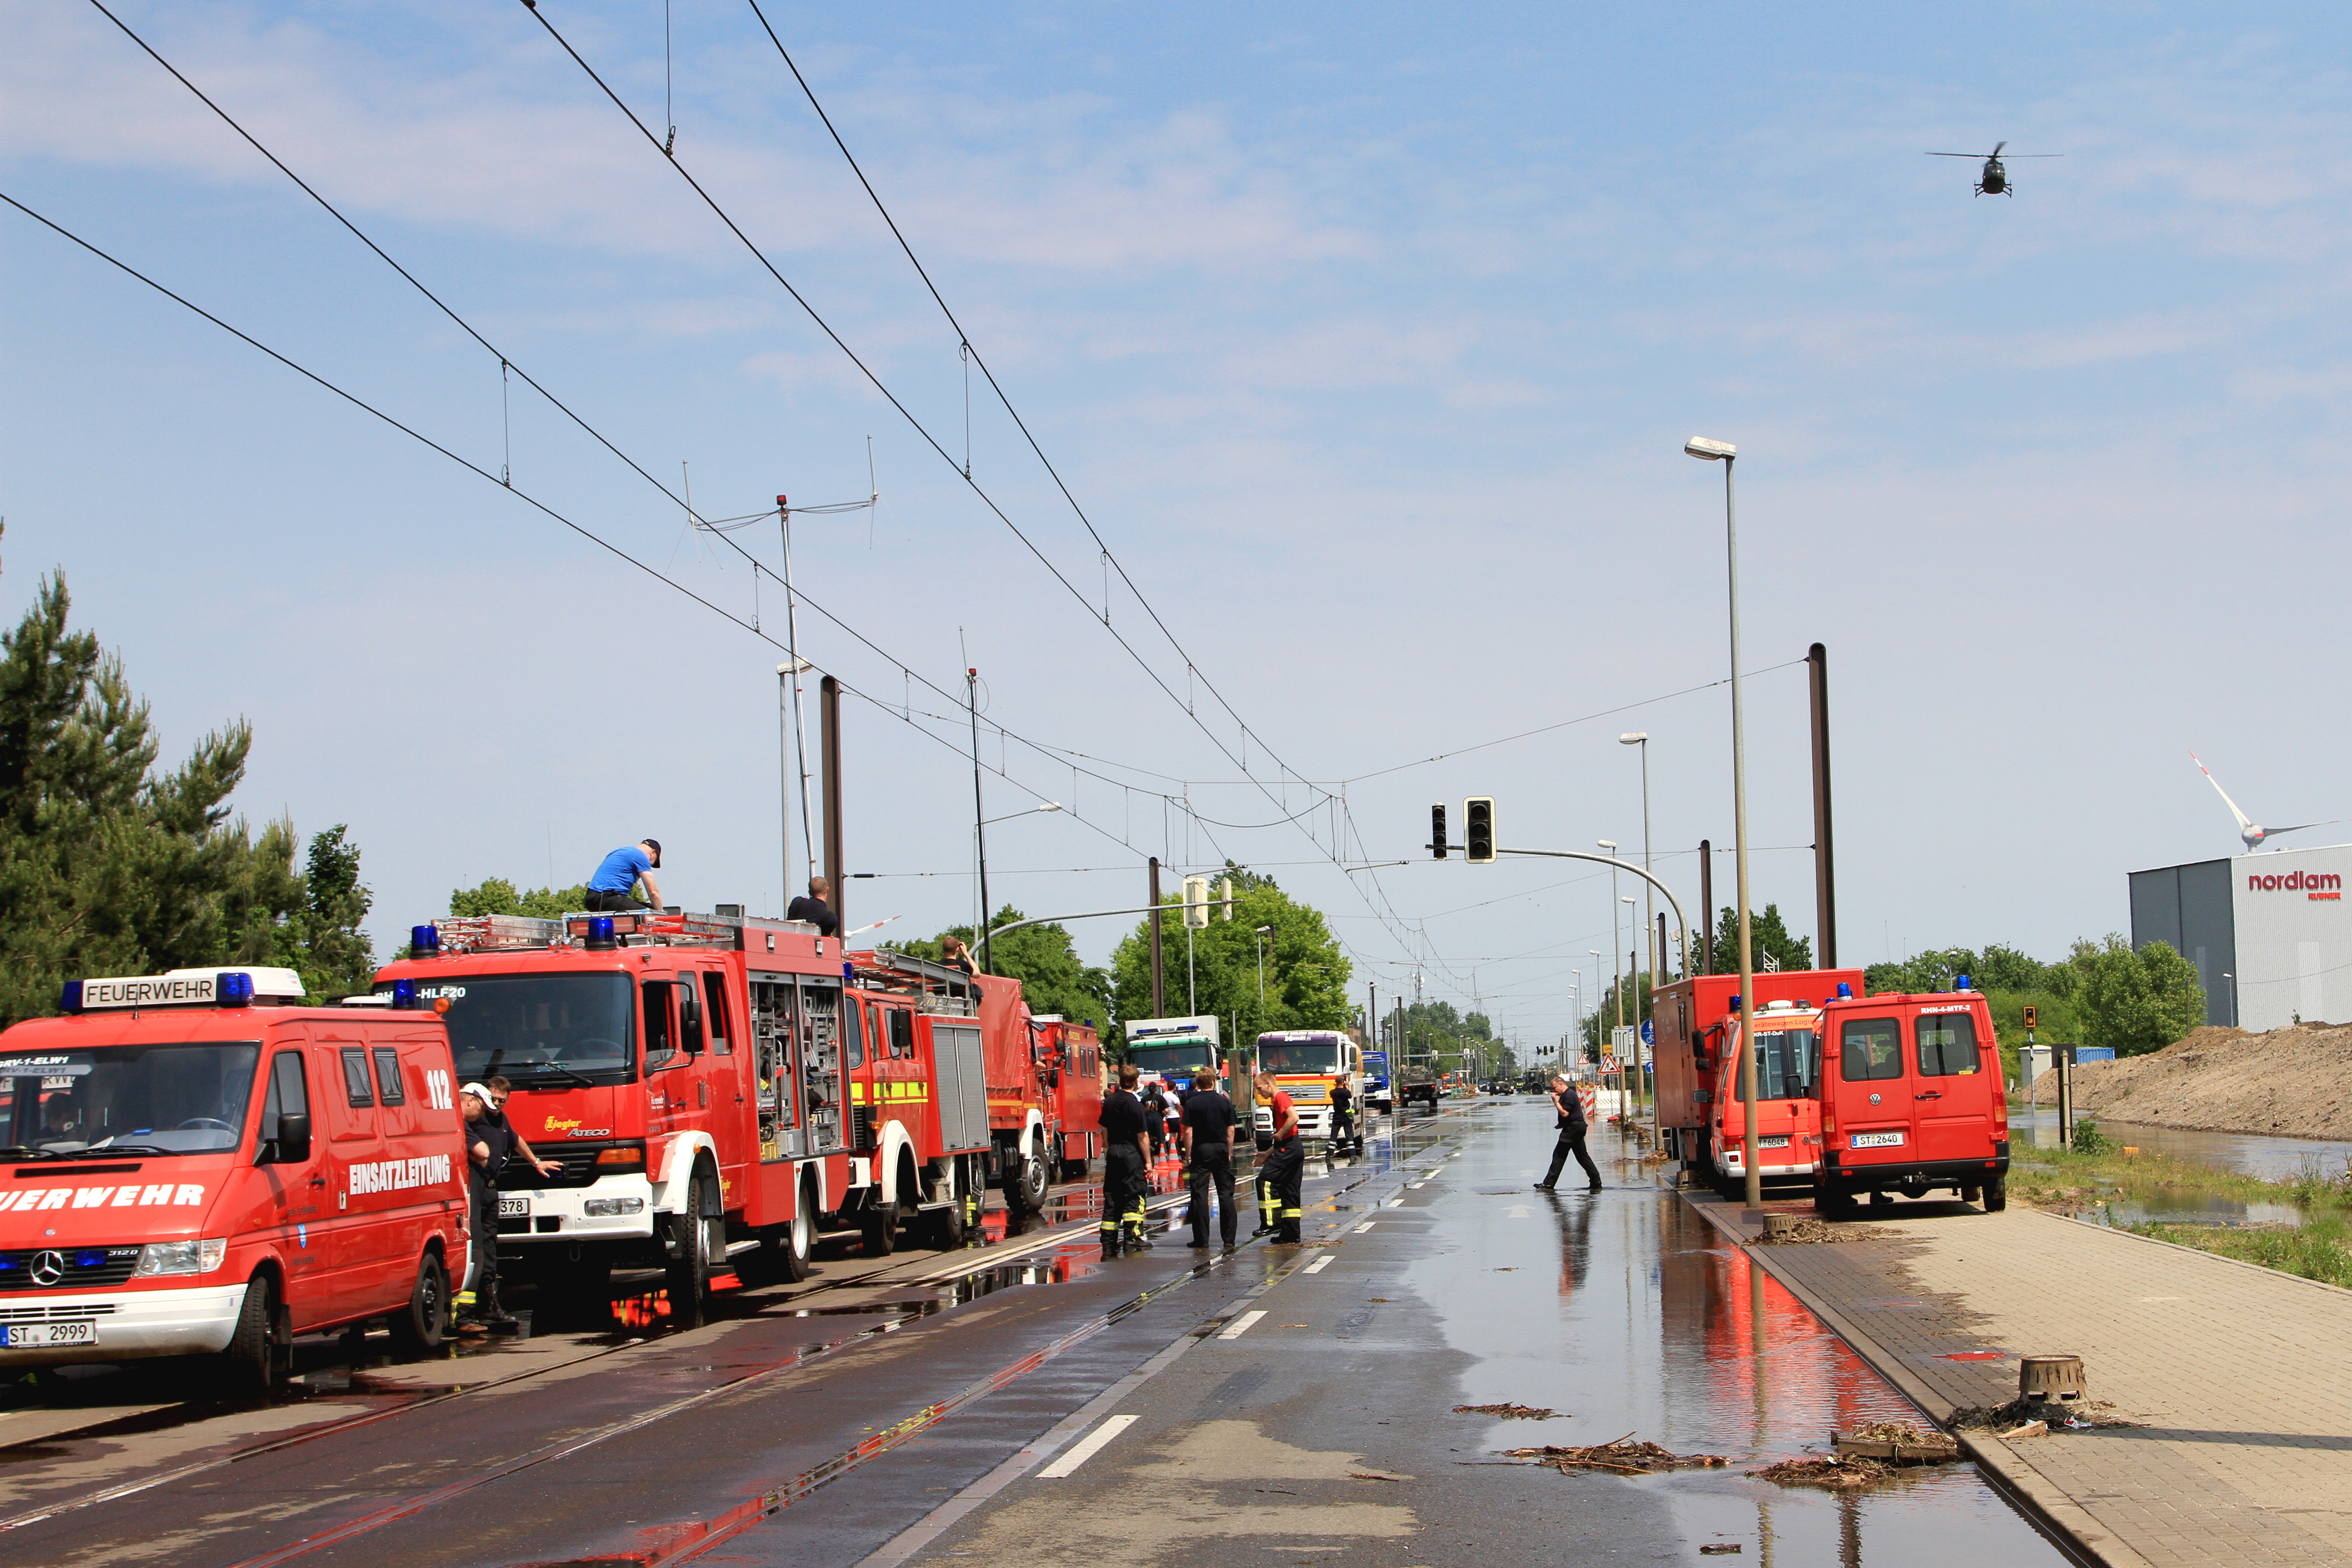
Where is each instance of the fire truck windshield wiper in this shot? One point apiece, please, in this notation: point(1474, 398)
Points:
point(541, 1071)
point(102, 1151)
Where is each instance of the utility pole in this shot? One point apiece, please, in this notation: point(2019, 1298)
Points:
point(1706, 907)
point(828, 715)
point(1159, 994)
point(979, 828)
point(1817, 671)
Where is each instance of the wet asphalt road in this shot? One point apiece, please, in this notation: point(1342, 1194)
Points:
point(872, 1417)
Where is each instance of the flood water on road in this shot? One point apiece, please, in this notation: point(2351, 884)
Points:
point(1630, 1315)
point(2248, 1153)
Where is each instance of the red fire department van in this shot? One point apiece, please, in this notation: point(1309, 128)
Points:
point(1787, 1120)
point(1911, 1099)
point(1696, 1020)
point(198, 1165)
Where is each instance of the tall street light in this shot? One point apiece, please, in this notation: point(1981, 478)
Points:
point(1724, 452)
point(1635, 980)
point(980, 848)
point(1649, 895)
point(1610, 846)
point(1263, 933)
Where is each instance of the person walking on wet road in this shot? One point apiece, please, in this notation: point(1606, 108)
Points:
point(1281, 1167)
point(1209, 1121)
point(1127, 1166)
point(1570, 1109)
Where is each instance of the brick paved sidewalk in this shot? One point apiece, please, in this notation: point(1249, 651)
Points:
point(2242, 1375)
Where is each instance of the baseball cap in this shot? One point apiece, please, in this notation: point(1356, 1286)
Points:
point(481, 1093)
point(655, 845)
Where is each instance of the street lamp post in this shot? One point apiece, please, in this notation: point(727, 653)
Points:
point(1724, 452)
point(1263, 933)
point(980, 843)
point(1649, 897)
point(1635, 980)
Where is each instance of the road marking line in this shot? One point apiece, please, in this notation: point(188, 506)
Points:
point(1239, 1325)
point(1365, 1226)
point(1317, 1267)
point(1080, 1452)
point(1396, 1202)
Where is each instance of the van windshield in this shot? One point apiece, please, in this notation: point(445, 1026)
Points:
point(1785, 1063)
point(155, 1100)
point(540, 1029)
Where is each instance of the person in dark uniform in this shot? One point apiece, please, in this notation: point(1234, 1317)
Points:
point(1209, 1122)
point(1343, 1118)
point(811, 906)
point(1126, 1166)
point(1154, 1100)
point(1569, 1107)
point(487, 1144)
point(1280, 1168)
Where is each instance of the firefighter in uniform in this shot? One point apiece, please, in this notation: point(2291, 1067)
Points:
point(1343, 1119)
point(1127, 1166)
point(1279, 1169)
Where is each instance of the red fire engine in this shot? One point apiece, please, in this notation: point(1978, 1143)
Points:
point(1074, 1051)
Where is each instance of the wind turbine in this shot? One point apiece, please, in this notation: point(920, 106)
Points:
point(2253, 832)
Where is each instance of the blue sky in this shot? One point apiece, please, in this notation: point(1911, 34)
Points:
point(1367, 336)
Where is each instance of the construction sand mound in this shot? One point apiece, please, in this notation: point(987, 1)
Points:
point(2292, 1083)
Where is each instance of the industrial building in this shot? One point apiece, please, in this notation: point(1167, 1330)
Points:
point(2268, 932)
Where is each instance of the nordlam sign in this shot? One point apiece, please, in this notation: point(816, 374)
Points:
point(2311, 884)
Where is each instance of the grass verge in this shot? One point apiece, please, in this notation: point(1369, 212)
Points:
point(2062, 1178)
point(2321, 1249)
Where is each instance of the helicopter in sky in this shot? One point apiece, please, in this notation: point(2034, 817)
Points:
point(1994, 179)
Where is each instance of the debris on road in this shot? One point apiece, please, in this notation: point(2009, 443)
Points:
point(1833, 1472)
point(1812, 1232)
point(1720, 1548)
point(2008, 1420)
point(1897, 1443)
point(1509, 1412)
point(1624, 1458)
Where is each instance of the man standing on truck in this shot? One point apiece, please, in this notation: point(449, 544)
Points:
point(811, 906)
point(1127, 1165)
point(1569, 1118)
point(1279, 1171)
point(615, 884)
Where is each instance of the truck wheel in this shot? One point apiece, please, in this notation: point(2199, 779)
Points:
point(417, 1330)
point(878, 1229)
point(1970, 1194)
point(1996, 1194)
point(800, 1236)
point(944, 1226)
point(689, 1271)
point(248, 1369)
point(1036, 1176)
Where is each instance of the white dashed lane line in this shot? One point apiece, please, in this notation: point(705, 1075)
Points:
point(1086, 1448)
point(1239, 1325)
point(1317, 1267)
point(1365, 1226)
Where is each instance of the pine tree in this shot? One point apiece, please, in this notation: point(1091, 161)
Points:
point(107, 867)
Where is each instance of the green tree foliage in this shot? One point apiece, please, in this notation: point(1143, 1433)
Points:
point(497, 896)
point(1044, 959)
point(2136, 1002)
point(1306, 974)
point(107, 867)
point(321, 938)
point(1767, 936)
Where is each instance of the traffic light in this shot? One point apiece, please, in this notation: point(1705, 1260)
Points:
point(1196, 902)
point(1437, 830)
point(2029, 1015)
point(1479, 830)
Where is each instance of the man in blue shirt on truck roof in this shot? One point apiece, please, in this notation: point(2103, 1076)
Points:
point(614, 881)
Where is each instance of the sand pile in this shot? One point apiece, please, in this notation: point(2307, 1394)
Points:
point(2296, 1083)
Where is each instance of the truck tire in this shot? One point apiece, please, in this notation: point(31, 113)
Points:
point(878, 1229)
point(419, 1328)
point(943, 1225)
point(248, 1368)
point(1035, 1177)
point(793, 1254)
point(1996, 1194)
point(689, 1271)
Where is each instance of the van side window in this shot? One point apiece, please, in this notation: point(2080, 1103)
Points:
point(286, 1097)
point(853, 1032)
point(714, 1013)
point(1871, 1048)
point(902, 1032)
point(388, 1087)
point(661, 1044)
point(355, 1078)
point(1948, 1044)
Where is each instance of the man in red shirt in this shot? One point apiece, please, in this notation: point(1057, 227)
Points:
point(1279, 1169)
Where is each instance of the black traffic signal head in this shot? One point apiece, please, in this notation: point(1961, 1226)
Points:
point(1437, 830)
point(1479, 830)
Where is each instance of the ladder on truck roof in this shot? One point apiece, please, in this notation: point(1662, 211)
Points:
point(939, 987)
point(632, 928)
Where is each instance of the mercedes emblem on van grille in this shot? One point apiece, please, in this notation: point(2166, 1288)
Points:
point(1874, 1100)
point(48, 1267)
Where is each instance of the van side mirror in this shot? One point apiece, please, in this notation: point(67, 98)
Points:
point(293, 1138)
